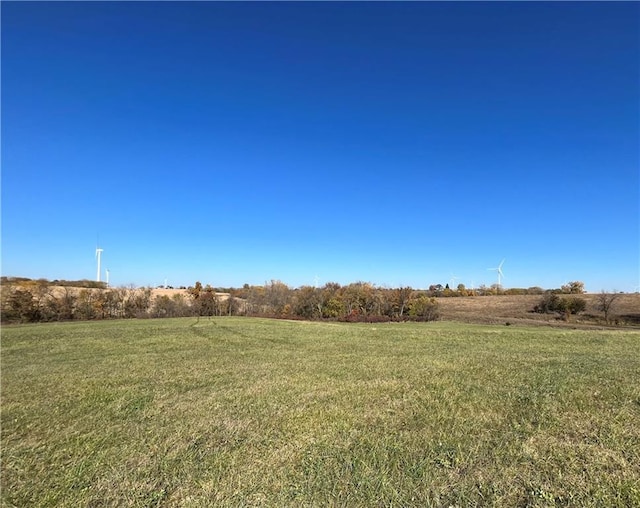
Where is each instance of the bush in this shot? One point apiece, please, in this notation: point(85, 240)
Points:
point(424, 308)
point(551, 302)
point(22, 307)
point(576, 305)
point(548, 303)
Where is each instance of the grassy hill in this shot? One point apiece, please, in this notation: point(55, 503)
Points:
point(254, 412)
point(517, 309)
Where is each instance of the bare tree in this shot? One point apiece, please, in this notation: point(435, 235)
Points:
point(606, 303)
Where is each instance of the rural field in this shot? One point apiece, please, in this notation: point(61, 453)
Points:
point(241, 411)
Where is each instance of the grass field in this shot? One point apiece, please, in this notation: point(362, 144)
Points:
point(252, 412)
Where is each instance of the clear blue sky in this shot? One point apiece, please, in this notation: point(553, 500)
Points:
point(396, 143)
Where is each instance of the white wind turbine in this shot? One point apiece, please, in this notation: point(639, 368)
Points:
point(500, 274)
point(98, 254)
point(453, 280)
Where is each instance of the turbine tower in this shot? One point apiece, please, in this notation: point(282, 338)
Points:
point(98, 254)
point(500, 274)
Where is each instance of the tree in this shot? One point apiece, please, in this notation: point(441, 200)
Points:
point(277, 296)
point(194, 291)
point(231, 305)
point(435, 289)
point(206, 303)
point(58, 307)
point(424, 308)
point(112, 303)
point(565, 306)
point(23, 307)
point(361, 298)
point(307, 302)
point(163, 306)
point(333, 308)
point(255, 300)
point(606, 303)
point(400, 298)
point(84, 305)
point(137, 303)
point(568, 306)
point(573, 288)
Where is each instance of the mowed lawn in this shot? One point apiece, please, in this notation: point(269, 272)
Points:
point(255, 412)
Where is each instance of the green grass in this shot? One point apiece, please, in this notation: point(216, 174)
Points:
point(251, 412)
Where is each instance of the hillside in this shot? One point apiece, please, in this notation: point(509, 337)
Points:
point(517, 309)
point(27, 300)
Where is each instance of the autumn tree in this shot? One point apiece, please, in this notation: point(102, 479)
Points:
point(277, 295)
point(307, 302)
point(22, 306)
point(230, 306)
point(174, 306)
point(195, 290)
point(137, 303)
point(85, 305)
point(400, 299)
point(359, 298)
point(208, 304)
point(424, 308)
point(255, 300)
point(332, 302)
point(573, 288)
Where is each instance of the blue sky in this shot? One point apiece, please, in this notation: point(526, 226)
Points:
point(396, 143)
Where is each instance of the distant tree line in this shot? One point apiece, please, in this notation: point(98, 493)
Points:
point(438, 290)
point(37, 301)
point(27, 300)
point(358, 301)
point(83, 283)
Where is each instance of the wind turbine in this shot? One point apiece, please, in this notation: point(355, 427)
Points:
point(107, 281)
point(500, 274)
point(98, 254)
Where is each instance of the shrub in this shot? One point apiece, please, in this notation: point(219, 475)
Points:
point(548, 303)
point(424, 308)
point(22, 307)
point(551, 302)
